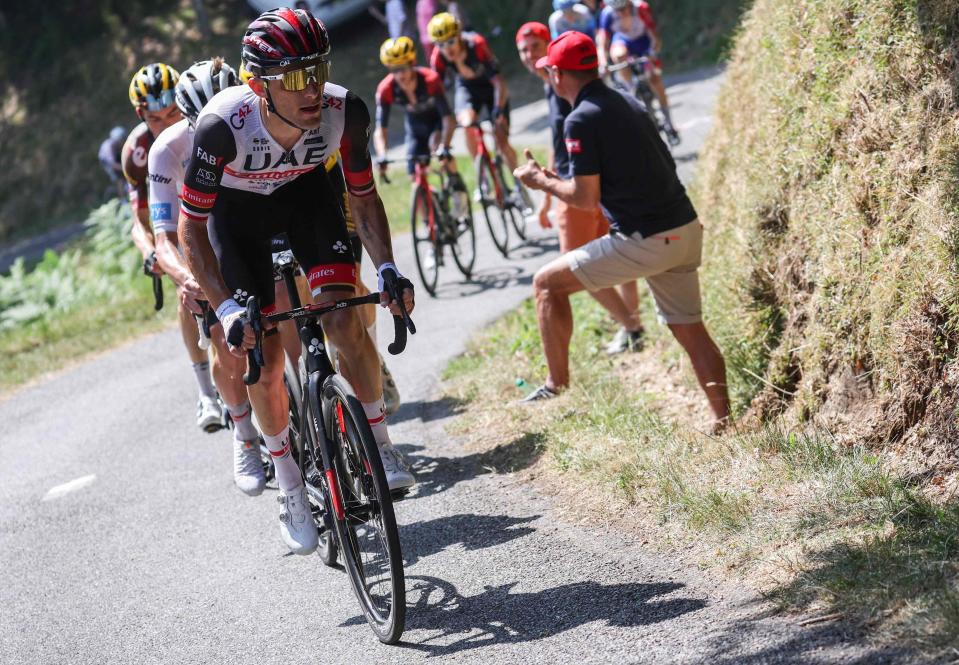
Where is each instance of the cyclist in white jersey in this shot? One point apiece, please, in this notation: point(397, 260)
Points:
point(167, 162)
point(253, 174)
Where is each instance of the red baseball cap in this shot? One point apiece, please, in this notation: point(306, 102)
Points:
point(572, 51)
point(532, 29)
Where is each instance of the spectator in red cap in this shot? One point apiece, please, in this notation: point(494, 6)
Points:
point(618, 161)
point(577, 227)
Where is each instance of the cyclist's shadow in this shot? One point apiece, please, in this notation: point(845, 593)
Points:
point(456, 623)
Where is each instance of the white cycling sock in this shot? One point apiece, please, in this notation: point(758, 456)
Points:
point(376, 415)
point(242, 417)
point(287, 472)
point(203, 379)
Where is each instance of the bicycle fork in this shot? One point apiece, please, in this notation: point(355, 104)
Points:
point(318, 366)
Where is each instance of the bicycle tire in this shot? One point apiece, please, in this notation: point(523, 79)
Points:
point(423, 242)
point(487, 189)
point(364, 491)
point(328, 547)
point(517, 204)
point(461, 235)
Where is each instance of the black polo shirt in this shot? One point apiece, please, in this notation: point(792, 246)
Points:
point(609, 134)
point(559, 108)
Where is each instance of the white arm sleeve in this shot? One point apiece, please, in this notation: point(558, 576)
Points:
point(165, 180)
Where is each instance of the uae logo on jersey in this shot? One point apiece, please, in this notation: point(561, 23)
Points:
point(573, 146)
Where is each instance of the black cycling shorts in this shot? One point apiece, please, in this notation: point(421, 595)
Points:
point(242, 226)
point(481, 100)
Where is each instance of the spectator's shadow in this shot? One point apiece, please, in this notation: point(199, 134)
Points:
point(497, 616)
point(473, 532)
point(438, 474)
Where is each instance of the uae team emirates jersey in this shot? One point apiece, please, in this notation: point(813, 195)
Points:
point(233, 149)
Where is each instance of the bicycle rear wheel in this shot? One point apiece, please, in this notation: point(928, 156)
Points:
point(461, 236)
point(425, 246)
point(366, 525)
point(496, 222)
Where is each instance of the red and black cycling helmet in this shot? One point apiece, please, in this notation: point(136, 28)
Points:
point(283, 37)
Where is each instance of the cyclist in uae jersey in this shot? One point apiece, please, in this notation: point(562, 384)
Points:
point(627, 29)
point(479, 88)
point(152, 95)
point(253, 173)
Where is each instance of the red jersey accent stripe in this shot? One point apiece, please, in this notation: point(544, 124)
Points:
point(334, 273)
point(269, 310)
point(189, 214)
point(196, 198)
point(269, 175)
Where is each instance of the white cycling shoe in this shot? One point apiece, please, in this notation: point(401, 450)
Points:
point(209, 415)
point(297, 527)
point(248, 467)
point(398, 475)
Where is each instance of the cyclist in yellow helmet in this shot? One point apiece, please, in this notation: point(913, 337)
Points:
point(153, 96)
point(480, 90)
point(429, 122)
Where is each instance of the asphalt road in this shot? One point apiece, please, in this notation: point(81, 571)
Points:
point(123, 540)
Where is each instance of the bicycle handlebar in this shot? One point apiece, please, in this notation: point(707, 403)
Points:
point(401, 324)
point(148, 264)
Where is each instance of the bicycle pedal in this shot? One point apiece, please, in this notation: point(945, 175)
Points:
point(212, 429)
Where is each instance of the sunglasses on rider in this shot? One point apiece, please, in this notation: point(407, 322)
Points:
point(297, 79)
point(448, 42)
point(401, 68)
point(165, 99)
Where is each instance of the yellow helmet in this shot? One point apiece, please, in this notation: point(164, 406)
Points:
point(244, 73)
point(152, 87)
point(398, 52)
point(443, 26)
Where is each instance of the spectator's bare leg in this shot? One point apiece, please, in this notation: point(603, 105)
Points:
point(553, 285)
point(618, 308)
point(629, 292)
point(708, 364)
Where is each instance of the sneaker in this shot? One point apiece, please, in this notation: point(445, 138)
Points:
point(297, 528)
point(429, 260)
point(398, 475)
point(673, 136)
point(625, 340)
point(391, 394)
point(209, 415)
point(248, 467)
point(542, 393)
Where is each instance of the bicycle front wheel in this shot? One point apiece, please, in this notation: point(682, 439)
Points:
point(366, 525)
point(496, 221)
point(426, 249)
point(462, 236)
point(520, 202)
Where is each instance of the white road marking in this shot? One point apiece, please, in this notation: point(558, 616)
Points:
point(702, 120)
point(66, 488)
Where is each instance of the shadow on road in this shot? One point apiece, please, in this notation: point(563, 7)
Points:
point(473, 532)
point(498, 616)
point(438, 474)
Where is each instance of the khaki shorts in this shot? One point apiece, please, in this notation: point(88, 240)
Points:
point(667, 260)
point(577, 227)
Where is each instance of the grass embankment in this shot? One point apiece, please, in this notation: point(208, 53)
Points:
point(829, 194)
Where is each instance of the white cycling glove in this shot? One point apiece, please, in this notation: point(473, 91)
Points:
point(379, 274)
point(231, 315)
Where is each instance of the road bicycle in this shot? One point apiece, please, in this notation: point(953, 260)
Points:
point(508, 197)
point(640, 66)
point(340, 462)
point(436, 223)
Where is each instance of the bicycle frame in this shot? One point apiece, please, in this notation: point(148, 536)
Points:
point(483, 153)
point(421, 178)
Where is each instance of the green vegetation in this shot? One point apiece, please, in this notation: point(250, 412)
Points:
point(829, 193)
point(76, 303)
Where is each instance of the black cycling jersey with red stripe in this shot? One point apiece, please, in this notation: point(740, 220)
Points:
point(428, 104)
point(479, 59)
point(233, 149)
